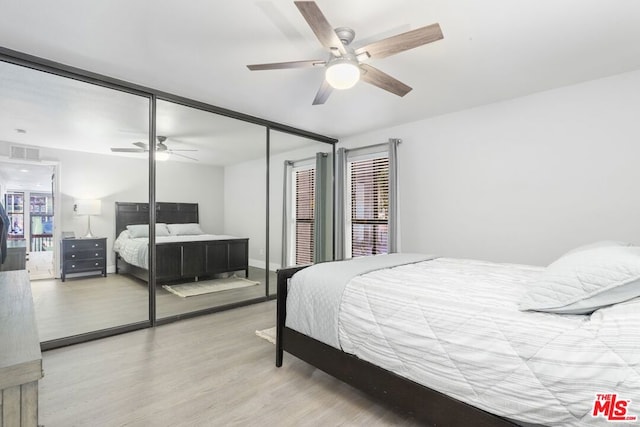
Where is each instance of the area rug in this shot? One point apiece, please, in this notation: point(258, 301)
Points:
point(268, 334)
point(185, 290)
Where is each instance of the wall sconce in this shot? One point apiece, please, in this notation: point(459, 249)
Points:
point(88, 207)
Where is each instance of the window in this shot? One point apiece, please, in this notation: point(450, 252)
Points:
point(368, 186)
point(304, 214)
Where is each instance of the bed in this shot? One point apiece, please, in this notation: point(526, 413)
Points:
point(181, 256)
point(463, 342)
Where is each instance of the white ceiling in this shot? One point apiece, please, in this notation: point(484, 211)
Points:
point(41, 109)
point(492, 50)
point(17, 176)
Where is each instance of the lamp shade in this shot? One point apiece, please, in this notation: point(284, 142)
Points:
point(88, 207)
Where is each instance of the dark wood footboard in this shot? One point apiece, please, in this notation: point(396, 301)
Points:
point(281, 307)
point(424, 404)
point(186, 261)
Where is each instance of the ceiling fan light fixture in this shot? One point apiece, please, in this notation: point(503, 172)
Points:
point(342, 73)
point(162, 156)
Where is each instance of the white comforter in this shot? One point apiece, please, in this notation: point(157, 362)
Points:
point(135, 251)
point(454, 326)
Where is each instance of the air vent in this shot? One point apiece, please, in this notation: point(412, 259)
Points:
point(24, 153)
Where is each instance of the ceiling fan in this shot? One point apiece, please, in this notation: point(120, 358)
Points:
point(347, 65)
point(162, 151)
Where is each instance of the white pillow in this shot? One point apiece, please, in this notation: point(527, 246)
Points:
point(581, 282)
point(142, 230)
point(188, 229)
point(600, 244)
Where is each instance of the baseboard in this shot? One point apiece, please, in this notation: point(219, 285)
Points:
point(258, 263)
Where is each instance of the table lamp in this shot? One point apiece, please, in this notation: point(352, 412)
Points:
point(88, 207)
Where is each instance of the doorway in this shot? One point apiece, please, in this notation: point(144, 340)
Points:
point(28, 194)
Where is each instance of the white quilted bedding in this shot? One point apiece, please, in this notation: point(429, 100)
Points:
point(454, 326)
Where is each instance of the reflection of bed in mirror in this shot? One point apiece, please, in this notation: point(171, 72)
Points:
point(183, 251)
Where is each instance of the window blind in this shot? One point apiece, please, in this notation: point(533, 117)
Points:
point(369, 206)
point(304, 215)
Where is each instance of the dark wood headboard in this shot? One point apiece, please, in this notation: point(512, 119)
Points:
point(128, 213)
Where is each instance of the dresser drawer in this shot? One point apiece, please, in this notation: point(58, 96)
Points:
point(84, 265)
point(84, 254)
point(80, 245)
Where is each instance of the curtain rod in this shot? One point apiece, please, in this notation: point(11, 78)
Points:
point(381, 144)
point(291, 162)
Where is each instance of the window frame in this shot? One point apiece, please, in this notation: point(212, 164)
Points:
point(353, 157)
point(296, 167)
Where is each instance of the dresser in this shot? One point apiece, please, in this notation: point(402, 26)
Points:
point(20, 357)
point(83, 255)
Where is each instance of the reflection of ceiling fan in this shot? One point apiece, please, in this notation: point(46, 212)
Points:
point(346, 65)
point(162, 151)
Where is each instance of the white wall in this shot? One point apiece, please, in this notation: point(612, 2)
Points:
point(191, 182)
point(245, 206)
point(522, 180)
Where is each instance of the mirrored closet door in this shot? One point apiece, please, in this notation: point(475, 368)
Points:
point(211, 207)
point(62, 171)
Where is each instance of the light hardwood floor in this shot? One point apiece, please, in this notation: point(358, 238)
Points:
point(206, 371)
point(81, 305)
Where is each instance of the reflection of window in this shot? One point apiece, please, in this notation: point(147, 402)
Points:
point(41, 212)
point(304, 214)
point(369, 199)
point(14, 203)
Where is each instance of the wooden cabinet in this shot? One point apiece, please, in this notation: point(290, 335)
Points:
point(20, 357)
point(83, 255)
point(16, 255)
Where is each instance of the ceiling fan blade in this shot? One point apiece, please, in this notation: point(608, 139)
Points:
point(323, 93)
point(320, 26)
point(383, 81)
point(127, 150)
point(291, 64)
point(180, 149)
point(141, 145)
point(173, 153)
point(401, 42)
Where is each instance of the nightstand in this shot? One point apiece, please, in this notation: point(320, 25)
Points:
point(83, 255)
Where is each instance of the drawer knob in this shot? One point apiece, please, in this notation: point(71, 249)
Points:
point(73, 256)
point(97, 263)
point(73, 246)
point(73, 266)
point(96, 254)
point(96, 245)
